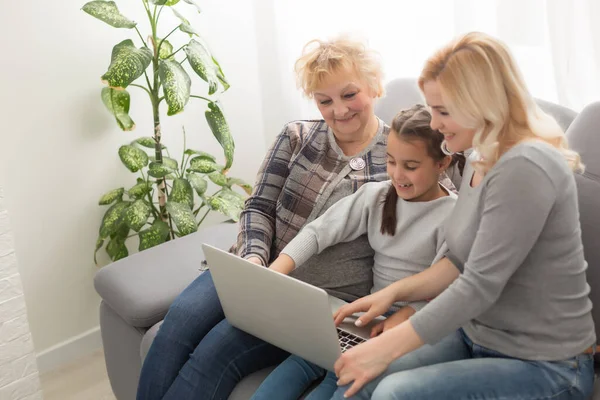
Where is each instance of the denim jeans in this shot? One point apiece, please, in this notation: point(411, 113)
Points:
point(456, 368)
point(291, 379)
point(197, 354)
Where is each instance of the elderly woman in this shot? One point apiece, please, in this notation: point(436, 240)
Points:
point(197, 354)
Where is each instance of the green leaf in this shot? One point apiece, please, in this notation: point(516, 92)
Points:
point(185, 24)
point(99, 244)
point(127, 64)
point(203, 165)
point(218, 178)
point(108, 12)
point(202, 63)
point(220, 129)
point(133, 158)
point(183, 217)
point(202, 154)
point(148, 142)
point(117, 102)
point(137, 215)
point(193, 3)
point(113, 219)
point(221, 76)
point(182, 192)
point(166, 49)
point(233, 196)
point(225, 206)
point(111, 197)
point(241, 183)
point(176, 85)
point(169, 162)
point(116, 247)
point(171, 3)
point(198, 183)
point(158, 2)
point(157, 170)
point(140, 190)
point(157, 234)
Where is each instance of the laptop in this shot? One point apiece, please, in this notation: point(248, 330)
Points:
point(281, 310)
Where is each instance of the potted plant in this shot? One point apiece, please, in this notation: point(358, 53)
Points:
point(169, 199)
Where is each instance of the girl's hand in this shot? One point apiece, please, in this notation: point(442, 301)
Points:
point(373, 305)
point(283, 264)
point(396, 319)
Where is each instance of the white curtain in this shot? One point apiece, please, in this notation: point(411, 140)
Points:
point(552, 40)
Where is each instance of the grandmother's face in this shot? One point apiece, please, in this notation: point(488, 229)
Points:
point(346, 104)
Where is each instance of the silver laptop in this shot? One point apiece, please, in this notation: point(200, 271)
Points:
point(288, 313)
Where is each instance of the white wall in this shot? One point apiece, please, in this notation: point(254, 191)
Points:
point(58, 145)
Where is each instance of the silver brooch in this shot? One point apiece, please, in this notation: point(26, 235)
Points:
point(357, 164)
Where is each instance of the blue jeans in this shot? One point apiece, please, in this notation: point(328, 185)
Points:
point(197, 354)
point(456, 368)
point(291, 379)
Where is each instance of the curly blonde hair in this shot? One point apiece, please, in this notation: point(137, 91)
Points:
point(483, 89)
point(322, 59)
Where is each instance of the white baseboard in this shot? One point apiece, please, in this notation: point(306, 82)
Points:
point(69, 350)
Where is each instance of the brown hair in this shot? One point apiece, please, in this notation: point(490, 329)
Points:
point(413, 124)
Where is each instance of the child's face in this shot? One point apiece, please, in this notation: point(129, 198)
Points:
point(412, 171)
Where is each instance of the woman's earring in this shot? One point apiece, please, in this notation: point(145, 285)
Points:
point(445, 150)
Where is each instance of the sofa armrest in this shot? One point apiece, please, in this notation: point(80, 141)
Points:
point(141, 287)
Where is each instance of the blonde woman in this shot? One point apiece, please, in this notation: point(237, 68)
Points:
point(516, 322)
point(197, 354)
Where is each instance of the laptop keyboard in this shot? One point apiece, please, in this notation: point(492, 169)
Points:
point(348, 340)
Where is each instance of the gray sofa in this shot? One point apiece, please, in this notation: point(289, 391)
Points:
point(137, 291)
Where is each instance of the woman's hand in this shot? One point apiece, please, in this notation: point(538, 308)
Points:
point(365, 362)
point(396, 319)
point(255, 260)
point(373, 305)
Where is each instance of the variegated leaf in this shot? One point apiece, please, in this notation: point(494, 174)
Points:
point(127, 64)
point(117, 102)
point(202, 63)
point(166, 49)
point(218, 178)
point(185, 24)
point(220, 129)
point(112, 196)
point(169, 162)
point(108, 12)
point(158, 170)
point(225, 206)
point(201, 154)
point(133, 158)
point(183, 217)
point(182, 192)
point(116, 247)
point(155, 235)
point(99, 244)
point(203, 165)
point(193, 3)
point(137, 214)
point(176, 85)
point(221, 75)
point(147, 142)
point(198, 183)
point(140, 190)
point(113, 219)
point(241, 183)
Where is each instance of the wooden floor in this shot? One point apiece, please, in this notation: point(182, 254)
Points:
point(84, 379)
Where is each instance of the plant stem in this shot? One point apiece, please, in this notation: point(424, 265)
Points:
point(182, 61)
point(183, 152)
point(142, 87)
point(141, 37)
point(202, 220)
point(176, 51)
point(159, 12)
point(148, 80)
point(165, 38)
point(200, 97)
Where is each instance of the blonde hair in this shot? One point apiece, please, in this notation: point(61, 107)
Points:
point(483, 89)
point(322, 59)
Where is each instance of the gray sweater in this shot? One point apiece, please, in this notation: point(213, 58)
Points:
point(523, 291)
point(415, 244)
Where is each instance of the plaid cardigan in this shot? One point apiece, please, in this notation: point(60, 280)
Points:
point(297, 177)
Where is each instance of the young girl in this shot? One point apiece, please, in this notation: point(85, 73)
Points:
point(402, 219)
